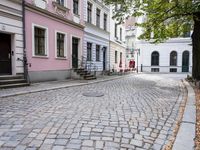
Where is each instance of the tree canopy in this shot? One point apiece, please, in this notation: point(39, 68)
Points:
point(165, 19)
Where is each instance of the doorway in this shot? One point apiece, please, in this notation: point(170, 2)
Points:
point(104, 58)
point(75, 45)
point(185, 61)
point(5, 54)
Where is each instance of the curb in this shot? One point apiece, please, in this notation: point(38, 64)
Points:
point(61, 87)
point(186, 134)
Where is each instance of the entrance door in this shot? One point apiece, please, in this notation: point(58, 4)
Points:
point(5, 54)
point(185, 61)
point(75, 42)
point(104, 58)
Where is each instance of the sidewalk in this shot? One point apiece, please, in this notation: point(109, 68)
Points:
point(52, 85)
point(186, 134)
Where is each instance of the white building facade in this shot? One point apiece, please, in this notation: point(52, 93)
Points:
point(96, 36)
point(174, 55)
point(117, 44)
point(11, 37)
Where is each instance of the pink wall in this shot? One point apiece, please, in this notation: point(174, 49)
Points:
point(69, 15)
point(50, 63)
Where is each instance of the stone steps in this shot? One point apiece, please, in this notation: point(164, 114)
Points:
point(11, 81)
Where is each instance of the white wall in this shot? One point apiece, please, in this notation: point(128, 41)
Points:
point(11, 23)
point(177, 44)
point(116, 44)
point(97, 35)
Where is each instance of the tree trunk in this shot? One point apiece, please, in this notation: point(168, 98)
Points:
point(196, 47)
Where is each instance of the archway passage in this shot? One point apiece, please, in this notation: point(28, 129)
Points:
point(185, 61)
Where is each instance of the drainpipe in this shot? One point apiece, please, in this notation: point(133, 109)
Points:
point(24, 45)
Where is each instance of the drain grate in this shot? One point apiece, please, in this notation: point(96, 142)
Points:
point(93, 94)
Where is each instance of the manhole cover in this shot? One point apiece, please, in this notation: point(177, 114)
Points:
point(93, 94)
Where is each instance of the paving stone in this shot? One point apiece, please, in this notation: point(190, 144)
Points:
point(136, 112)
point(87, 143)
point(136, 143)
point(99, 144)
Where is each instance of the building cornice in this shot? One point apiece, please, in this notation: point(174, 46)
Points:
point(172, 40)
point(89, 25)
point(53, 16)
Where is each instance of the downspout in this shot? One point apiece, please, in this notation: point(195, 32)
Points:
point(24, 45)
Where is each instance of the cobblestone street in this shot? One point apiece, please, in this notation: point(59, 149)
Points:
point(136, 112)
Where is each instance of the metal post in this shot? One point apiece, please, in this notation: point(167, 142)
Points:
point(137, 61)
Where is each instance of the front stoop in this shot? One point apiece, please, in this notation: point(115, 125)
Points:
point(12, 81)
point(82, 74)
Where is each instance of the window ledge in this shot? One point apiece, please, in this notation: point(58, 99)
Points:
point(40, 56)
point(61, 58)
point(77, 15)
point(63, 8)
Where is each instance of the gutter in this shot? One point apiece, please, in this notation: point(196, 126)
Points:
point(24, 44)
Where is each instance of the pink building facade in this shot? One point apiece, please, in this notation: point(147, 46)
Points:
point(54, 38)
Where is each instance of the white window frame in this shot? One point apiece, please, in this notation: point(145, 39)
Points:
point(46, 41)
point(65, 45)
point(79, 8)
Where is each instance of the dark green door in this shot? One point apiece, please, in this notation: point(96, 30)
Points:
point(75, 52)
point(5, 54)
point(185, 61)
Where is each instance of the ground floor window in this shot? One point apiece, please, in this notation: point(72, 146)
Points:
point(173, 70)
point(155, 59)
point(89, 51)
point(60, 42)
point(97, 52)
point(155, 69)
point(40, 41)
point(115, 56)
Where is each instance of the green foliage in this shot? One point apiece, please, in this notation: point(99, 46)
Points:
point(163, 18)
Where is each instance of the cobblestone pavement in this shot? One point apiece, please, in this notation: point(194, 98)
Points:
point(136, 112)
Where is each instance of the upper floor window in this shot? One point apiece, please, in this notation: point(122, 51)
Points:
point(120, 34)
point(76, 7)
point(105, 22)
point(61, 2)
point(173, 58)
point(155, 59)
point(89, 13)
point(98, 13)
point(40, 41)
point(115, 30)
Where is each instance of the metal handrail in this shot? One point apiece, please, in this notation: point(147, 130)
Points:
point(88, 65)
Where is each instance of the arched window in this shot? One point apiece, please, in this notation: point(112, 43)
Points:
point(155, 59)
point(173, 58)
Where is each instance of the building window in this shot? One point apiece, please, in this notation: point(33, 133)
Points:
point(105, 22)
point(40, 41)
point(115, 56)
point(173, 70)
point(89, 13)
point(61, 2)
point(173, 58)
point(98, 13)
point(75, 7)
point(89, 51)
point(120, 34)
point(155, 69)
point(97, 52)
point(60, 44)
point(155, 59)
point(116, 31)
